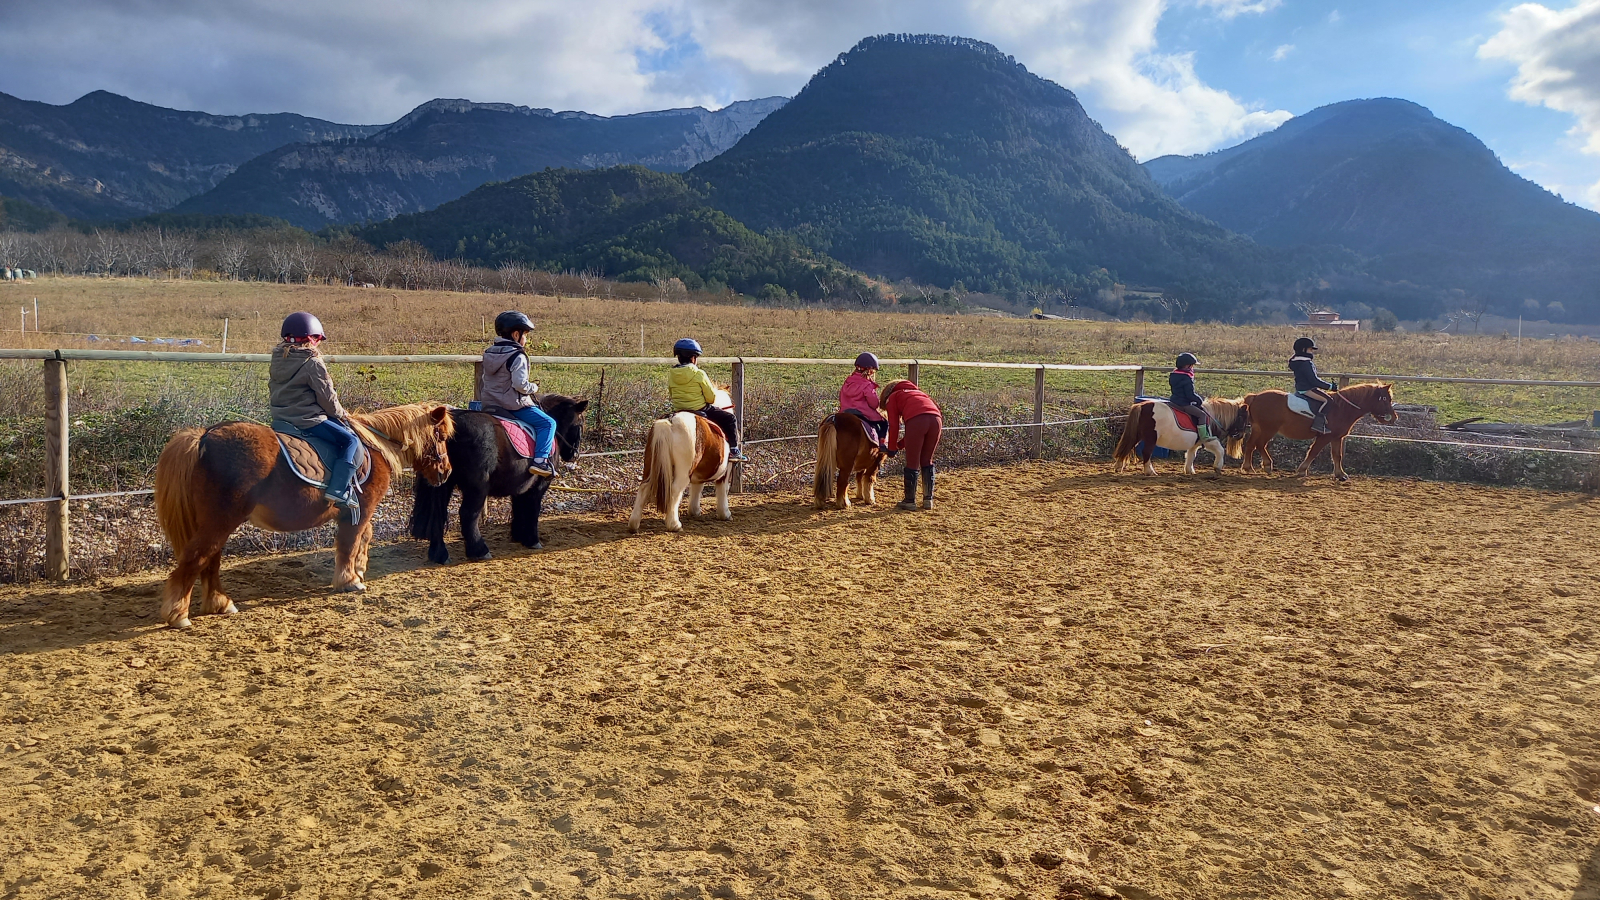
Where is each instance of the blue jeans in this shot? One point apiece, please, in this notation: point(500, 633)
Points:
point(345, 444)
point(544, 430)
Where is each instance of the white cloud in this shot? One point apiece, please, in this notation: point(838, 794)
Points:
point(372, 60)
point(1282, 53)
point(1334, 18)
point(1228, 9)
point(1557, 54)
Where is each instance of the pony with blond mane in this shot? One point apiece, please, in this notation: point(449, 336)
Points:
point(1152, 424)
point(1271, 415)
point(209, 481)
point(683, 452)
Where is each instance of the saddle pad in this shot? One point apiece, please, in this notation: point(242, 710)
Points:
point(1300, 406)
point(519, 436)
point(307, 465)
point(1185, 420)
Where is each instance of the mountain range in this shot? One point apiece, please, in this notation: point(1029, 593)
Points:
point(937, 159)
point(104, 156)
point(1417, 198)
point(445, 148)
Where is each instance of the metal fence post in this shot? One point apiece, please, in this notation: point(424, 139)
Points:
point(913, 371)
point(1138, 382)
point(1038, 413)
point(57, 547)
point(736, 478)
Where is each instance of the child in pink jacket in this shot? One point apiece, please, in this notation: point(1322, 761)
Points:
point(859, 396)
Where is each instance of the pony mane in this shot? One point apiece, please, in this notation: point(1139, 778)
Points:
point(1225, 411)
point(397, 432)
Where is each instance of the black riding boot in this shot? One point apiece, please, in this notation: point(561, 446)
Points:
point(927, 487)
point(910, 502)
point(1319, 422)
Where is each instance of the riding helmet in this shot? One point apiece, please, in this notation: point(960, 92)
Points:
point(867, 361)
point(687, 345)
point(1187, 359)
point(301, 325)
point(1304, 344)
point(510, 322)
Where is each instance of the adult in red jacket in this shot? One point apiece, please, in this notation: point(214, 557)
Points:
point(903, 401)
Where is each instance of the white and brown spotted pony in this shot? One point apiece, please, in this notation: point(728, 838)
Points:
point(683, 452)
point(1153, 424)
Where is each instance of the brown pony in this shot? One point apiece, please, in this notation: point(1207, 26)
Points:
point(843, 450)
point(1270, 416)
point(210, 481)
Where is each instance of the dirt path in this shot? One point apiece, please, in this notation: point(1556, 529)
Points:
point(1055, 685)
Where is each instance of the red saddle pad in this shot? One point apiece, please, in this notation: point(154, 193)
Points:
point(519, 436)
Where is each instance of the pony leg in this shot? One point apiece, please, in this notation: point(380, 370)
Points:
point(1149, 452)
point(194, 559)
point(1316, 448)
point(1336, 448)
point(1188, 459)
point(525, 510)
point(472, 502)
point(344, 551)
point(870, 476)
point(696, 492)
point(723, 512)
point(638, 511)
point(1216, 450)
point(841, 489)
point(680, 485)
point(215, 602)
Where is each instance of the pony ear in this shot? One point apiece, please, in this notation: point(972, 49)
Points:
point(580, 406)
point(439, 414)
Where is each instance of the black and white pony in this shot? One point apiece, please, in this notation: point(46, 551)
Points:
point(484, 465)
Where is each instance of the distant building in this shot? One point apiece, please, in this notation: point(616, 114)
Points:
point(1327, 318)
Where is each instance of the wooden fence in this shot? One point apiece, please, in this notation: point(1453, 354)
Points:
point(58, 481)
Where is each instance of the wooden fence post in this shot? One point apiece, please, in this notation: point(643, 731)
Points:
point(736, 477)
point(913, 372)
point(57, 547)
point(1138, 383)
point(1344, 382)
point(1038, 413)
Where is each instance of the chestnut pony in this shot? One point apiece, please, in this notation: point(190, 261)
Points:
point(1270, 416)
point(843, 450)
point(209, 481)
point(683, 452)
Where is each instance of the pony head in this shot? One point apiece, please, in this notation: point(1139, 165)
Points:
point(1233, 421)
point(414, 434)
point(568, 414)
point(1383, 404)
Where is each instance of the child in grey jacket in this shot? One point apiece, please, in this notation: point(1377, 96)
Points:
point(506, 386)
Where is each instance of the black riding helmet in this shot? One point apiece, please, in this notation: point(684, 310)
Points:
point(1305, 345)
point(510, 322)
point(1187, 359)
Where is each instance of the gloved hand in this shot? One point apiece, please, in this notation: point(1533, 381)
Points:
point(533, 388)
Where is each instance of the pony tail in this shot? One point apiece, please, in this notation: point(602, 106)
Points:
point(657, 484)
point(827, 466)
point(1130, 435)
point(175, 488)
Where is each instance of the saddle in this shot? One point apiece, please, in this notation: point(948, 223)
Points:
point(519, 436)
point(1299, 405)
point(870, 426)
point(310, 458)
point(1184, 420)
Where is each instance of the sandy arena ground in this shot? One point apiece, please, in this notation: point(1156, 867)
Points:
point(1056, 685)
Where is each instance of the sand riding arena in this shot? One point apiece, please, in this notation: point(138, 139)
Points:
point(1058, 684)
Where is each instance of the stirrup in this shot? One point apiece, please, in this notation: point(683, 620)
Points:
point(343, 501)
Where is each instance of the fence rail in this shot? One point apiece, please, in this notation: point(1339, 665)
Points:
point(58, 562)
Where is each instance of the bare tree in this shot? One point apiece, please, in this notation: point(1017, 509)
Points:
point(1475, 310)
point(106, 252)
point(280, 262)
point(11, 246)
point(232, 255)
point(305, 259)
point(411, 261)
point(590, 279)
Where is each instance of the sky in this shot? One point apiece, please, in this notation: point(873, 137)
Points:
point(1162, 76)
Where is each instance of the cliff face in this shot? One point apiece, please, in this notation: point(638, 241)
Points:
point(444, 148)
point(105, 156)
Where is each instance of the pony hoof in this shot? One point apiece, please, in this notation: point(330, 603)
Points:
point(230, 610)
point(354, 587)
point(181, 624)
point(536, 545)
point(484, 558)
